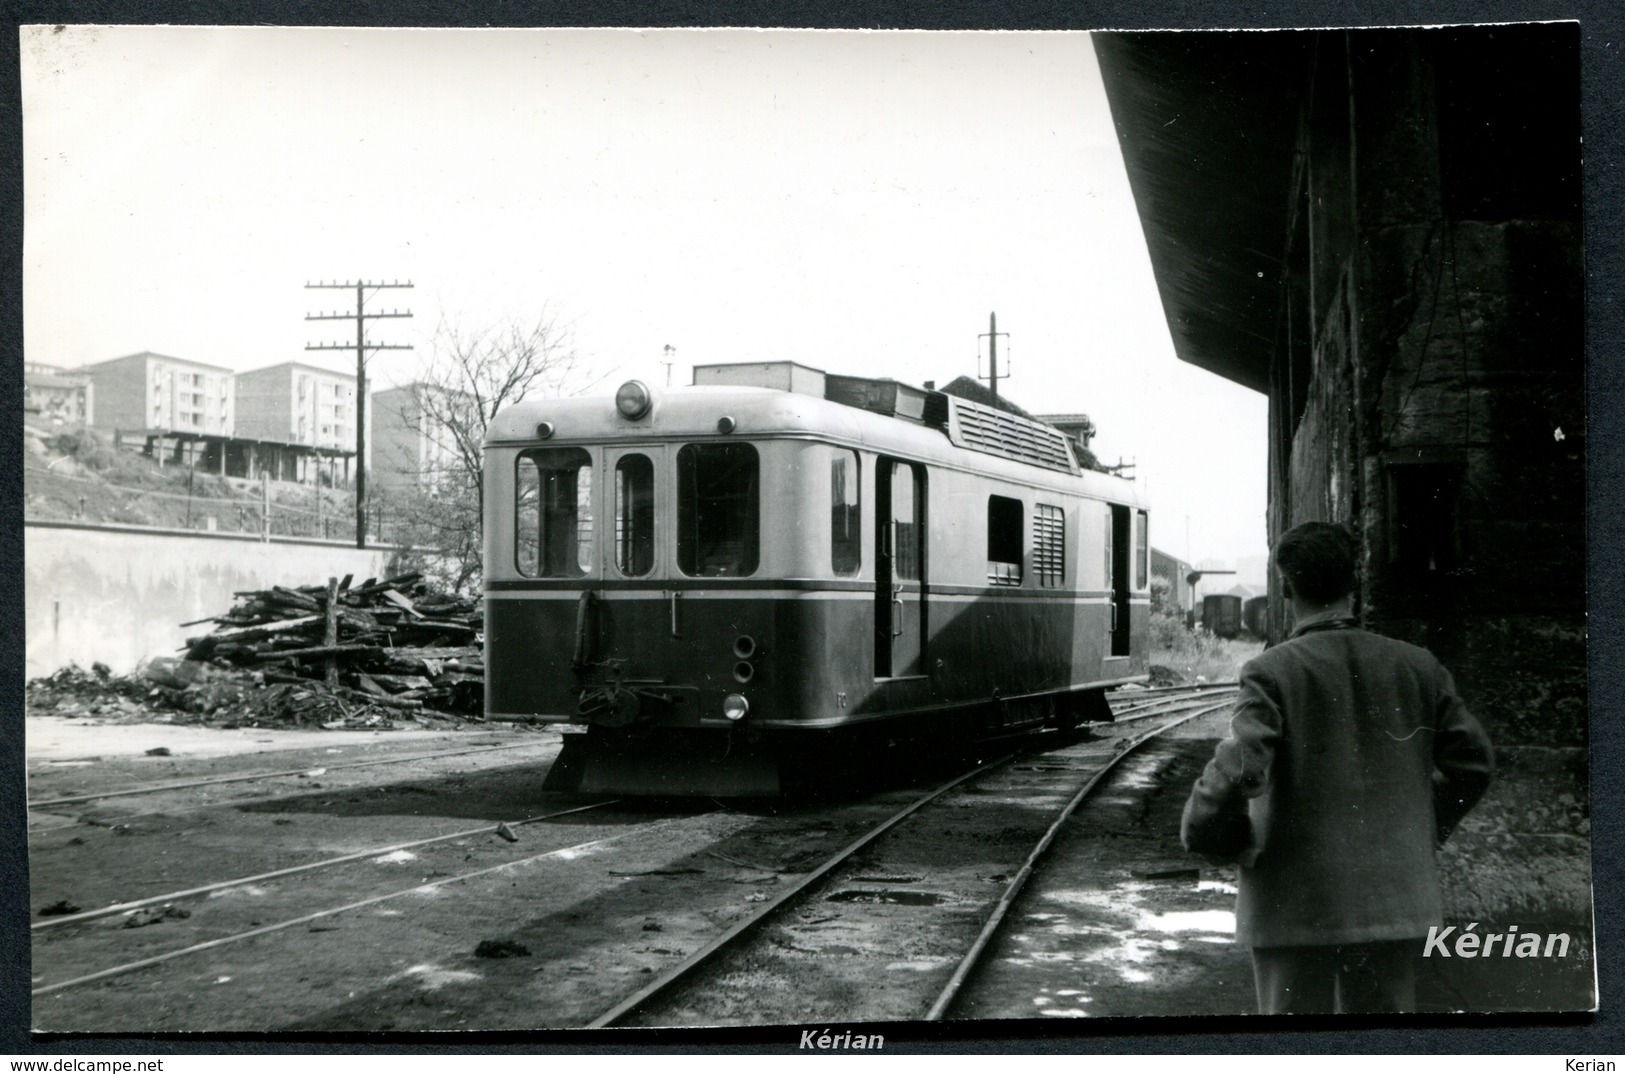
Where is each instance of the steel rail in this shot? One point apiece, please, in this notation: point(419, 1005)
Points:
point(704, 954)
point(130, 967)
point(1019, 880)
point(1192, 686)
point(1166, 706)
point(1138, 701)
point(221, 885)
point(251, 776)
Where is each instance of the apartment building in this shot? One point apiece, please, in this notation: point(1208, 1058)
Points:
point(297, 403)
point(58, 397)
point(410, 443)
point(148, 391)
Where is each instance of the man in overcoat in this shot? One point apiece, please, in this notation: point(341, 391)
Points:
point(1350, 759)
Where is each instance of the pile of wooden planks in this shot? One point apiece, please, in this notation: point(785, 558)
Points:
point(391, 642)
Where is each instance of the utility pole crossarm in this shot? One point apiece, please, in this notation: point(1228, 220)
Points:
point(361, 347)
point(351, 346)
point(351, 316)
point(346, 285)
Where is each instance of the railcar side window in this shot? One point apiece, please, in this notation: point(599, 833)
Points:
point(1142, 555)
point(553, 513)
point(1049, 545)
point(907, 520)
point(634, 515)
point(1004, 544)
point(718, 510)
point(1108, 575)
point(846, 521)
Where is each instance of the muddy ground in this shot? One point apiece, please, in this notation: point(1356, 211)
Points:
point(548, 929)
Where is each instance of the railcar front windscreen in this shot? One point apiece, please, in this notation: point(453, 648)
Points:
point(718, 510)
point(553, 513)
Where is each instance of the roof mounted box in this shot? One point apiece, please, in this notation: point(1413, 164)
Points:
point(784, 376)
point(889, 397)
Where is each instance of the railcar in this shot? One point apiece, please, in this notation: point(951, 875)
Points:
point(711, 582)
point(1255, 616)
point(1221, 614)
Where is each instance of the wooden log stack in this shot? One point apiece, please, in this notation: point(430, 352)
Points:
point(390, 642)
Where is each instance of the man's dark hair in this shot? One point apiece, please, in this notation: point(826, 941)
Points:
point(1317, 559)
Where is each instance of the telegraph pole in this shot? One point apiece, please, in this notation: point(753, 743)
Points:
point(992, 336)
point(361, 347)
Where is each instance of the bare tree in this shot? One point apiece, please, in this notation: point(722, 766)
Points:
point(435, 500)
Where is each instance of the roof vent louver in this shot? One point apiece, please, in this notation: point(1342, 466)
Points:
point(995, 432)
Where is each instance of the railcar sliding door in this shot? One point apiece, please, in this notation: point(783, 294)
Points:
point(1119, 550)
point(900, 588)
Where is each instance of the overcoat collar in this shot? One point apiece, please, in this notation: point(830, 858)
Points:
point(1332, 619)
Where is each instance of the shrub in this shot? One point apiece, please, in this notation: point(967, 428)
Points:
point(1187, 655)
point(84, 447)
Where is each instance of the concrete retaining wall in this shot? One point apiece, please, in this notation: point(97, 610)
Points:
point(118, 594)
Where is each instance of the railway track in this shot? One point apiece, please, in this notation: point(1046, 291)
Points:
point(583, 904)
point(174, 800)
point(680, 991)
point(253, 777)
point(1138, 704)
point(121, 969)
point(502, 829)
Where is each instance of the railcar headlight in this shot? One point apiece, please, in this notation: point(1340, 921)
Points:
point(633, 400)
point(734, 706)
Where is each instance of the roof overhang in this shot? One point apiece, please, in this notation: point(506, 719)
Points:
point(1208, 126)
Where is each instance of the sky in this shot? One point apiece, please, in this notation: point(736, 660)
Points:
point(857, 202)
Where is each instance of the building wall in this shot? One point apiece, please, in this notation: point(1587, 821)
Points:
point(396, 439)
point(299, 404)
point(409, 446)
point(118, 595)
point(263, 408)
point(324, 405)
point(121, 392)
point(59, 399)
point(149, 391)
point(1429, 388)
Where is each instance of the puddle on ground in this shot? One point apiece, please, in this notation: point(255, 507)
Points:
point(889, 895)
point(433, 978)
point(1211, 921)
point(920, 965)
point(1070, 1005)
point(1117, 934)
point(572, 853)
point(240, 889)
point(1127, 779)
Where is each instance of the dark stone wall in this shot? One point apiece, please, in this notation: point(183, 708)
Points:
point(1445, 419)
